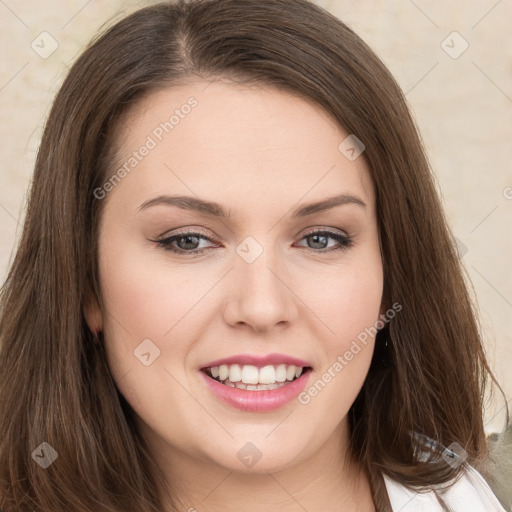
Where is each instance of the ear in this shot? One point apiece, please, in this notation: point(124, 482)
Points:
point(92, 313)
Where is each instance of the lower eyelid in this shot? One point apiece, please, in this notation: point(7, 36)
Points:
point(344, 242)
point(166, 243)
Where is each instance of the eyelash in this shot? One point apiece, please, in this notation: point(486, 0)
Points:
point(344, 241)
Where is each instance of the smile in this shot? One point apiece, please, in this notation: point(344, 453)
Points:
point(252, 378)
point(253, 387)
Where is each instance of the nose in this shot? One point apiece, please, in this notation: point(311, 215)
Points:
point(260, 295)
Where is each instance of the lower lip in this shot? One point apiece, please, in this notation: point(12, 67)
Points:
point(257, 401)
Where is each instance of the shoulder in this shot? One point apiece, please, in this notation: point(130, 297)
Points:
point(470, 493)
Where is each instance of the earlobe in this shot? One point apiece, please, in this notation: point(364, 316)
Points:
point(92, 313)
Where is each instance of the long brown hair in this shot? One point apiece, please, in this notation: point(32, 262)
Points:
point(55, 384)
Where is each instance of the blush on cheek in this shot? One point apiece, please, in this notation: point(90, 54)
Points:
point(349, 309)
point(134, 295)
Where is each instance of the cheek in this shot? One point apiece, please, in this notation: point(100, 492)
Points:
point(348, 300)
point(140, 311)
point(146, 308)
point(349, 304)
point(145, 299)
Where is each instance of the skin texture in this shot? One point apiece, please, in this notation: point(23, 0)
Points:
point(260, 153)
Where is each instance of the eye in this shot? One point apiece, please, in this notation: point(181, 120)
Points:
point(189, 242)
point(319, 239)
point(184, 241)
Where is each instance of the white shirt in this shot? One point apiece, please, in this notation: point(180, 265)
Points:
point(469, 494)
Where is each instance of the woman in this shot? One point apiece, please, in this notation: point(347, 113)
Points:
point(235, 287)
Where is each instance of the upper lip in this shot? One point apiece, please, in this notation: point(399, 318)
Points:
point(269, 359)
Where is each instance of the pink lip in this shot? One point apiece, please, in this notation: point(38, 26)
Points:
point(257, 401)
point(260, 361)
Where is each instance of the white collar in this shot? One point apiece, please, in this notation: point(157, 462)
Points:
point(470, 493)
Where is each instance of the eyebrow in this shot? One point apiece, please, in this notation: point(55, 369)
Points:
point(217, 210)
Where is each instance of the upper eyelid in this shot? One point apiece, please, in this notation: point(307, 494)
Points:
point(343, 238)
point(195, 231)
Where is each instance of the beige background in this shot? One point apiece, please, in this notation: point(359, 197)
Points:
point(463, 107)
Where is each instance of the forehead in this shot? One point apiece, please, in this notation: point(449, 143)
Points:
point(221, 138)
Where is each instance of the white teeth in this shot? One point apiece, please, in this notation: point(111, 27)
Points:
point(281, 373)
point(223, 372)
point(253, 387)
point(290, 373)
point(250, 374)
point(267, 375)
point(253, 378)
point(235, 373)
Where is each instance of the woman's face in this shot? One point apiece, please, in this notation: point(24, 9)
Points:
point(264, 285)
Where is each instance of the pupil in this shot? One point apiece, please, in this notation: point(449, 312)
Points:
point(188, 238)
point(316, 238)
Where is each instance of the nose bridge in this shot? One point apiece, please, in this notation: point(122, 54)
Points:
point(261, 298)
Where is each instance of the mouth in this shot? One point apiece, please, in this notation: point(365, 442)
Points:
point(255, 378)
